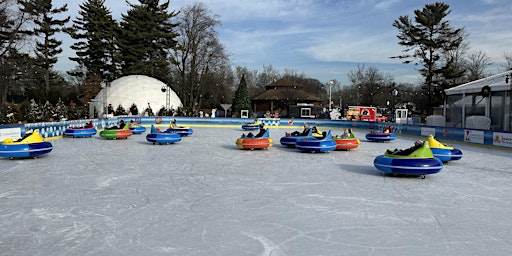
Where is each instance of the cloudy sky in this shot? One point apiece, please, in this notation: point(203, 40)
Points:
point(326, 39)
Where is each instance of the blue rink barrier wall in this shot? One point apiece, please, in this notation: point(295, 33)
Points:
point(483, 137)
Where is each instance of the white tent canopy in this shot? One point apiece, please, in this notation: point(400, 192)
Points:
point(481, 104)
point(496, 83)
point(136, 89)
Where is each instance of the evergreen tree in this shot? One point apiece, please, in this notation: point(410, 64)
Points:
point(95, 31)
point(32, 112)
point(49, 112)
point(11, 22)
point(241, 100)
point(12, 60)
point(46, 26)
point(10, 66)
point(120, 111)
point(134, 110)
point(7, 30)
point(61, 110)
point(147, 35)
point(6, 27)
point(426, 39)
point(8, 113)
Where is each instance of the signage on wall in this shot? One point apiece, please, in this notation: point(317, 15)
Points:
point(14, 132)
point(474, 136)
point(502, 139)
point(426, 131)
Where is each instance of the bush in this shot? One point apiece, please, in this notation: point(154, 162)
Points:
point(9, 114)
point(120, 111)
point(134, 110)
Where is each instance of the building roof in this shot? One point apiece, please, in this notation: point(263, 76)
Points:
point(284, 82)
point(286, 89)
point(286, 94)
point(496, 83)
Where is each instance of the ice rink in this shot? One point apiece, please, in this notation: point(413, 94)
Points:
point(204, 196)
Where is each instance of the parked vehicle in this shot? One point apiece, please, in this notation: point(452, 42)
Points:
point(363, 113)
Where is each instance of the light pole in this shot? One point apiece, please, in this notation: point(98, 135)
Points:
point(358, 95)
point(167, 90)
point(394, 93)
point(331, 83)
point(105, 86)
point(508, 80)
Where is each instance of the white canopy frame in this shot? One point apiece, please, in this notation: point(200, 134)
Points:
point(143, 91)
point(489, 97)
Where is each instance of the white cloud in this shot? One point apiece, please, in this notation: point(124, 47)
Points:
point(254, 10)
point(352, 46)
point(386, 4)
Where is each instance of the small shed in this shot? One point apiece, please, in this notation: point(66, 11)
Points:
point(481, 104)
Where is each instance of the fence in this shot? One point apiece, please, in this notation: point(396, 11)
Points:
point(476, 136)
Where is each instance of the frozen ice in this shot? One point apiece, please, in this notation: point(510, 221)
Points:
point(204, 196)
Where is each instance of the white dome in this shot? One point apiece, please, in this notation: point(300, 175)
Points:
point(137, 89)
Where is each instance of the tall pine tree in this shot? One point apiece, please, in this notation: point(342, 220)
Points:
point(45, 28)
point(241, 100)
point(426, 40)
point(147, 35)
point(95, 31)
point(7, 30)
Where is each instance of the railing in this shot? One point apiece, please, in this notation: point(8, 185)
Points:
point(483, 137)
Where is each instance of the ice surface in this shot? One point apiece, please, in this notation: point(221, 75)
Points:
point(204, 196)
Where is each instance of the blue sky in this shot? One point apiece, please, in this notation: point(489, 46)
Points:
point(326, 39)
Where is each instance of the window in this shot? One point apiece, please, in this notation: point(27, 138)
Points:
point(244, 113)
point(305, 112)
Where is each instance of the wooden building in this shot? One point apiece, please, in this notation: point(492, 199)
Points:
point(288, 99)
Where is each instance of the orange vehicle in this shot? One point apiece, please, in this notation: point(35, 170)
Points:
point(363, 113)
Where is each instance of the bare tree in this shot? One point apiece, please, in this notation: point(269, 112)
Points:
point(455, 64)
point(369, 82)
point(508, 61)
point(477, 63)
point(266, 77)
point(199, 55)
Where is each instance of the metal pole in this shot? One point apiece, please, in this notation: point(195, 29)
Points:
point(104, 86)
point(168, 99)
point(108, 85)
point(508, 80)
point(330, 87)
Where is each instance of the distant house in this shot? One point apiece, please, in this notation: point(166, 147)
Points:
point(288, 99)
